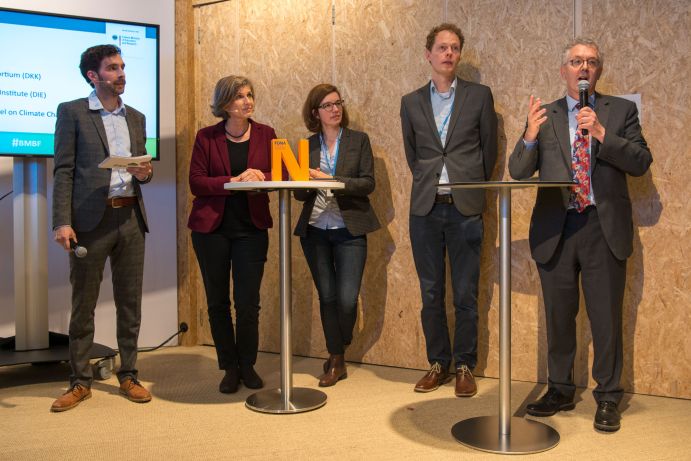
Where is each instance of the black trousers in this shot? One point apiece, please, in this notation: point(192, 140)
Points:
point(444, 230)
point(218, 254)
point(583, 251)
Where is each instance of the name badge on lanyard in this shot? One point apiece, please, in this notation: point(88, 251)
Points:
point(325, 154)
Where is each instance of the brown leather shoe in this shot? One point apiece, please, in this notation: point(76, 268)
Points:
point(134, 391)
point(336, 372)
point(70, 399)
point(435, 377)
point(465, 382)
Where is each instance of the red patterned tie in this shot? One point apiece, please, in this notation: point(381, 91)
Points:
point(580, 163)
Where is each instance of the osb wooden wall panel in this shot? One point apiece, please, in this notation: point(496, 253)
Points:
point(516, 55)
point(185, 129)
point(286, 48)
point(379, 57)
point(646, 47)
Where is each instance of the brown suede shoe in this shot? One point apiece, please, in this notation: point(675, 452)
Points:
point(465, 382)
point(435, 377)
point(134, 391)
point(70, 399)
point(336, 372)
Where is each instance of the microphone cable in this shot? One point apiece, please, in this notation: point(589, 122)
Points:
point(104, 367)
point(183, 328)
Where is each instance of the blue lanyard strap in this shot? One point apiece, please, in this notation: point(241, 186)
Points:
point(325, 152)
point(446, 119)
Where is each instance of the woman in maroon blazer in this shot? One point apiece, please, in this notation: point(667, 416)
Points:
point(229, 229)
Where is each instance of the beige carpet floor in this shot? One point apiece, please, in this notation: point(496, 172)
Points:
point(372, 415)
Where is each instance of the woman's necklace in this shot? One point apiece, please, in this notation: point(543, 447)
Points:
point(240, 135)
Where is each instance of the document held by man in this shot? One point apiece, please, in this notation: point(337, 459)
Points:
point(124, 162)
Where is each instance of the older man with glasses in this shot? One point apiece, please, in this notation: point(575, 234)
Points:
point(584, 231)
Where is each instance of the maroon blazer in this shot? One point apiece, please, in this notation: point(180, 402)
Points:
point(210, 170)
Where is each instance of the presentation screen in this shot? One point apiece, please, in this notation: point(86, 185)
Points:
point(39, 69)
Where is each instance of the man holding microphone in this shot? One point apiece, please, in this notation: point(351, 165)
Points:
point(102, 210)
point(584, 231)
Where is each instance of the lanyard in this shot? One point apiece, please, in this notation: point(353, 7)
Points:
point(443, 124)
point(325, 152)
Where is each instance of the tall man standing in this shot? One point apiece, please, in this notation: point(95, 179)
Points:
point(585, 230)
point(449, 135)
point(103, 210)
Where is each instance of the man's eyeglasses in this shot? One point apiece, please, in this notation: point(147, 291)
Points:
point(329, 106)
point(578, 62)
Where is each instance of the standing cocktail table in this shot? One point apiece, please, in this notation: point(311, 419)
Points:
point(285, 399)
point(503, 433)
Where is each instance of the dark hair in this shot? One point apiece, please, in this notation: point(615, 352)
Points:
point(92, 57)
point(226, 90)
point(432, 36)
point(314, 99)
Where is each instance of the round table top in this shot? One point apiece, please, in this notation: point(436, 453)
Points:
point(291, 185)
point(505, 184)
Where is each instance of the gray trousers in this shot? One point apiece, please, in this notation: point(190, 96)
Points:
point(120, 237)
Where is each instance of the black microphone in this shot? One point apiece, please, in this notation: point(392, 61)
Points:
point(583, 87)
point(79, 251)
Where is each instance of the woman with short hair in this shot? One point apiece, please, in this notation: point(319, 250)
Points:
point(229, 229)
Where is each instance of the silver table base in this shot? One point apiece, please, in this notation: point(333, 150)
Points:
point(526, 436)
point(503, 433)
point(286, 399)
point(271, 401)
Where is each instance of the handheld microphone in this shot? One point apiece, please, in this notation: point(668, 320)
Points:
point(79, 251)
point(583, 87)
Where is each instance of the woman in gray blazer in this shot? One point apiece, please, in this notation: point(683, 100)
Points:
point(333, 226)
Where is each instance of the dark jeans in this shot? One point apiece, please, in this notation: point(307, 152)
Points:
point(120, 237)
point(217, 254)
point(446, 229)
point(583, 251)
point(336, 259)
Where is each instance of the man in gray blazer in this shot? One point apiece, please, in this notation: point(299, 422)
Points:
point(102, 210)
point(449, 135)
point(585, 231)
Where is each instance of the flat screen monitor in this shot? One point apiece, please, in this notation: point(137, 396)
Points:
point(39, 69)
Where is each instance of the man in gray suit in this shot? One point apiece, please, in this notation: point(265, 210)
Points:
point(103, 210)
point(585, 230)
point(449, 135)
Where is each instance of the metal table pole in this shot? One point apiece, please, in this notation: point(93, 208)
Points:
point(505, 434)
point(286, 399)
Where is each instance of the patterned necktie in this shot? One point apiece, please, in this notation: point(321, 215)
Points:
point(580, 163)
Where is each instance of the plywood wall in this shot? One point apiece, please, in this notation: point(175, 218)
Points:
point(373, 50)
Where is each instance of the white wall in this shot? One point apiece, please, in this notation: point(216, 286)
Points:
point(159, 305)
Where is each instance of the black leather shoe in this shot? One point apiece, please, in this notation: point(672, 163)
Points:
point(607, 417)
point(550, 403)
point(250, 378)
point(230, 382)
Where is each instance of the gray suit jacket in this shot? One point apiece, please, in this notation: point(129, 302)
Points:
point(470, 151)
point(80, 188)
point(355, 168)
point(624, 151)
